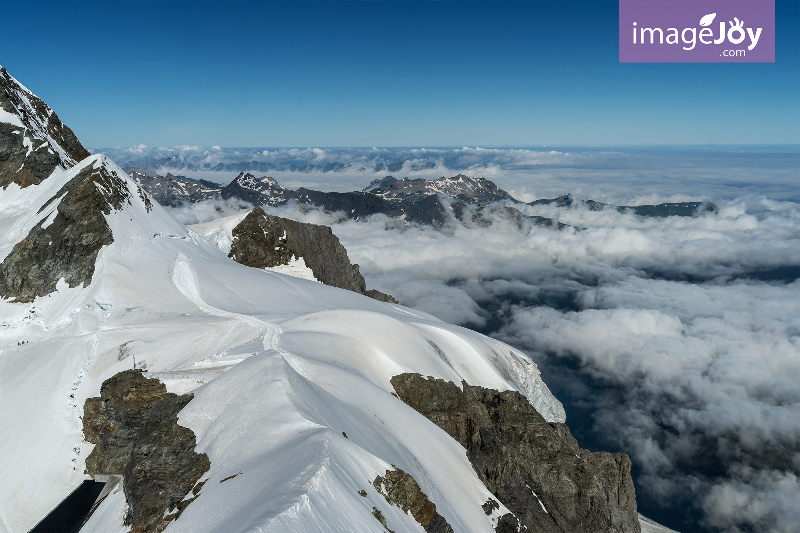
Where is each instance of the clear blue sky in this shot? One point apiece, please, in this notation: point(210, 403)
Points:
point(381, 73)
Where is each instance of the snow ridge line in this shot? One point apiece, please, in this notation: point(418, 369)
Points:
point(185, 279)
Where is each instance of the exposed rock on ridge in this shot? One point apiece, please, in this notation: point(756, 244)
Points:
point(134, 423)
point(536, 469)
point(37, 117)
point(66, 245)
point(265, 241)
point(20, 162)
point(402, 490)
point(113, 420)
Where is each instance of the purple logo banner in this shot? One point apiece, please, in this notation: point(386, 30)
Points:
point(696, 31)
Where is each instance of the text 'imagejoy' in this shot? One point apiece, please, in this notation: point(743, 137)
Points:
point(674, 31)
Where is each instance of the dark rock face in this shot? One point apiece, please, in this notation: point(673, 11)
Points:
point(40, 119)
point(113, 420)
point(134, 423)
point(18, 164)
point(402, 490)
point(534, 468)
point(263, 241)
point(381, 297)
point(260, 241)
point(163, 467)
point(68, 247)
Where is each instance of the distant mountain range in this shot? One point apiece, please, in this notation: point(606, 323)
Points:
point(414, 200)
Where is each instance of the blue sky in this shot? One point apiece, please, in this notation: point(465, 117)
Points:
point(121, 73)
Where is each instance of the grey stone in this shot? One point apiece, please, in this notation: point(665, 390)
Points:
point(535, 469)
point(68, 247)
point(113, 420)
point(402, 490)
point(36, 115)
point(134, 423)
point(261, 240)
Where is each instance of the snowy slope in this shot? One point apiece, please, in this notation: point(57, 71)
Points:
point(280, 367)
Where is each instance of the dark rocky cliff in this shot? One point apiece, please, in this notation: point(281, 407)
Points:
point(536, 469)
point(67, 247)
point(41, 123)
point(18, 164)
point(134, 423)
point(264, 241)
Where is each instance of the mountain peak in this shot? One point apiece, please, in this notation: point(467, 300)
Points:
point(259, 191)
point(21, 108)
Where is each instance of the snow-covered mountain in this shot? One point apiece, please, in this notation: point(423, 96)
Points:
point(258, 191)
point(479, 191)
point(172, 190)
point(260, 402)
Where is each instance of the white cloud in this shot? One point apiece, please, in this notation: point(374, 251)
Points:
point(208, 210)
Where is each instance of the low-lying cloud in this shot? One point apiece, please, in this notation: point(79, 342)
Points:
point(665, 331)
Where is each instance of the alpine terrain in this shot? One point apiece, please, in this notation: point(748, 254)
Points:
point(208, 391)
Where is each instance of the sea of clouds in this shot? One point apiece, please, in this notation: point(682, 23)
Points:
point(675, 340)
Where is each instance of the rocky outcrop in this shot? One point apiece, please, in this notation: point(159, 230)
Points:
point(40, 121)
point(536, 469)
point(66, 245)
point(24, 159)
point(163, 468)
point(264, 241)
point(401, 490)
point(134, 424)
point(113, 420)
